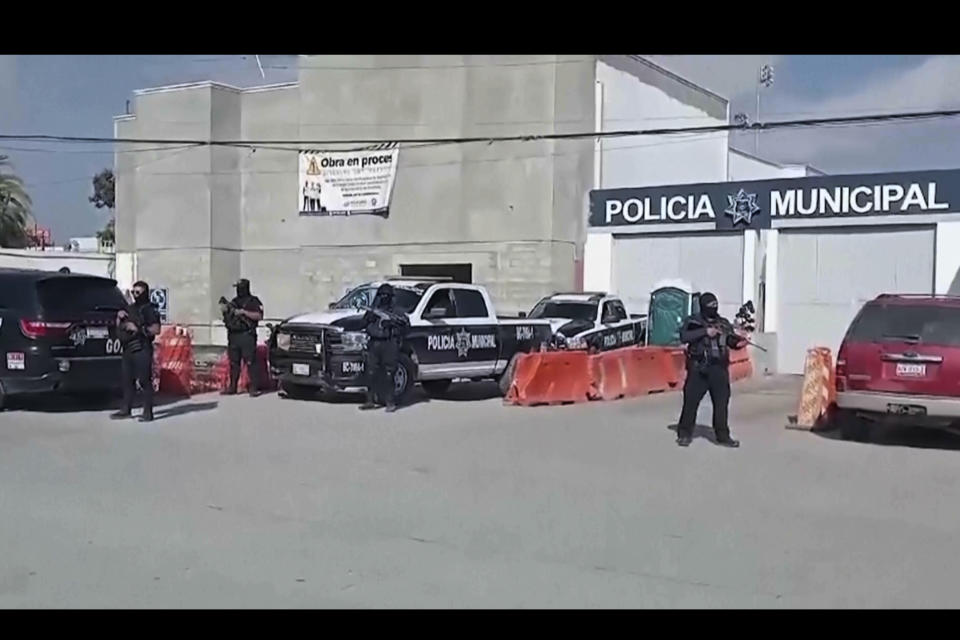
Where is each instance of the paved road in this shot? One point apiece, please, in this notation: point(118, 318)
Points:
point(241, 502)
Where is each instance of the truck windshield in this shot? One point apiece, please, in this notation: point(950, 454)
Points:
point(569, 310)
point(923, 324)
point(403, 299)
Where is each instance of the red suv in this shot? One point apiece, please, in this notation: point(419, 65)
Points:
point(900, 363)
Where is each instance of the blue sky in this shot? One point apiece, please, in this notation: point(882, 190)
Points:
point(79, 95)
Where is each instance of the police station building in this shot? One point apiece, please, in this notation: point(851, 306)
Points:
point(808, 251)
point(524, 218)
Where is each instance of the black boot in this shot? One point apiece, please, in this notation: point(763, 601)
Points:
point(146, 417)
point(228, 392)
point(727, 441)
point(120, 415)
point(684, 441)
point(368, 404)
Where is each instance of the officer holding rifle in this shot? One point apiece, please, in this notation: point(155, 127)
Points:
point(708, 338)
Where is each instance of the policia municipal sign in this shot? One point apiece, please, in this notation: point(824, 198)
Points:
point(756, 204)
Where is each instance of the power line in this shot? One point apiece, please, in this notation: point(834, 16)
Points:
point(757, 126)
point(98, 151)
point(404, 166)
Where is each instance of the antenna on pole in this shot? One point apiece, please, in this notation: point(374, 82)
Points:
point(260, 66)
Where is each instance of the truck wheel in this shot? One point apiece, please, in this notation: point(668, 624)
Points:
point(404, 378)
point(853, 427)
point(506, 378)
point(436, 387)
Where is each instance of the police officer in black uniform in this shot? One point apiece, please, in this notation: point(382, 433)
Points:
point(137, 326)
point(709, 338)
point(385, 327)
point(241, 316)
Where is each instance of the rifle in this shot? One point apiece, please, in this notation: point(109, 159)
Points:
point(724, 333)
point(394, 320)
point(238, 322)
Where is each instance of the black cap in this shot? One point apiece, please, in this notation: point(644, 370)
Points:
point(242, 282)
point(708, 300)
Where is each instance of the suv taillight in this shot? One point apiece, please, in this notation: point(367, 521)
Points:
point(34, 329)
point(841, 370)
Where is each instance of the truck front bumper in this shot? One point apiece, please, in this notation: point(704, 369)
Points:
point(339, 373)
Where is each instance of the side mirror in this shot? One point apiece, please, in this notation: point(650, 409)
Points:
point(523, 314)
point(331, 305)
point(269, 325)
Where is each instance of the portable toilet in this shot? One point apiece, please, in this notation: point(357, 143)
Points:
point(671, 302)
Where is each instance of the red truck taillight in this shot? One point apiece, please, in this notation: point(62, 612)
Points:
point(34, 329)
point(841, 369)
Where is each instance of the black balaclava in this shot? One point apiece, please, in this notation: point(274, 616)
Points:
point(384, 297)
point(144, 297)
point(709, 306)
point(243, 287)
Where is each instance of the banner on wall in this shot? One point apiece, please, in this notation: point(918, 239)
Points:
point(346, 183)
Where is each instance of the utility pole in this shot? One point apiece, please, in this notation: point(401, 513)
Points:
point(764, 81)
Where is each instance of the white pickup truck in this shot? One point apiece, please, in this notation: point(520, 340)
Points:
point(454, 334)
point(596, 321)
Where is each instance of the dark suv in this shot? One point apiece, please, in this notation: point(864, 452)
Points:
point(57, 333)
point(900, 364)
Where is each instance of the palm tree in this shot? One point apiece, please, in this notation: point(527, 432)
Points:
point(14, 207)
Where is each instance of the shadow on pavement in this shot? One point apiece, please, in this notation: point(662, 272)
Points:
point(78, 403)
point(471, 391)
point(184, 409)
point(417, 396)
point(890, 436)
point(700, 431)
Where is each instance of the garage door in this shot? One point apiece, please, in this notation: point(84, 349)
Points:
point(711, 261)
point(825, 276)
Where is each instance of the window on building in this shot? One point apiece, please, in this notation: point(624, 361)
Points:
point(462, 273)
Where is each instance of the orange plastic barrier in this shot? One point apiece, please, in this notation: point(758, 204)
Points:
point(818, 391)
point(649, 370)
point(551, 377)
point(574, 376)
point(222, 372)
point(741, 367)
point(609, 374)
point(173, 361)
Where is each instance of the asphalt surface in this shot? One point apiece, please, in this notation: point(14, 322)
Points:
point(464, 502)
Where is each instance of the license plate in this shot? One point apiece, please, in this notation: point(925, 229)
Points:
point(301, 369)
point(353, 367)
point(907, 409)
point(97, 333)
point(16, 361)
point(911, 370)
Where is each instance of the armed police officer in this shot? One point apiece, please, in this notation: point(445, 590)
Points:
point(385, 327)
point(241, 316)
point(709, 338)
point(137, 326)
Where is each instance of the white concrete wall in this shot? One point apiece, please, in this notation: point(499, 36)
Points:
point(93, 264)
point(744, 166)
point(631, 103)
point(634, 94)
point(947, 257)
